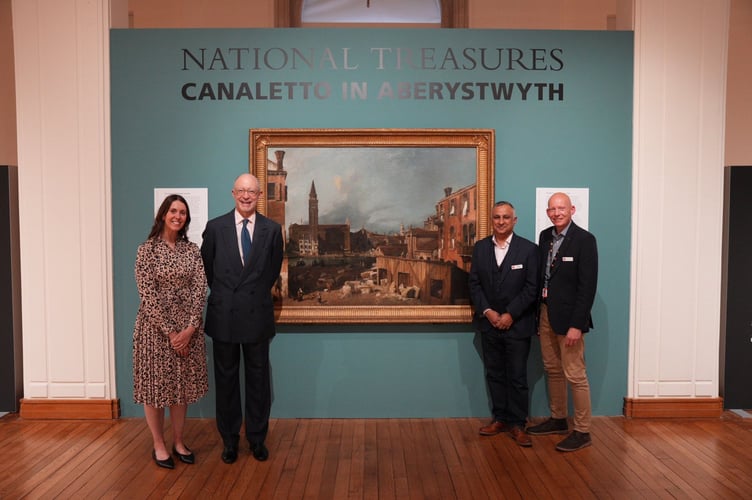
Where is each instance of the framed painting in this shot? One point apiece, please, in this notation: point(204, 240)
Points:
point(379, 224)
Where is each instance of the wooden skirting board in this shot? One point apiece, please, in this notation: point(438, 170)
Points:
point(97, 409)
point(110, 408)
point(673, 407)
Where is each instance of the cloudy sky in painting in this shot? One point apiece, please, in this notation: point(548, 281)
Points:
point(376, 188)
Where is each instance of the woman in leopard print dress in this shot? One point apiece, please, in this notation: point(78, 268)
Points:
point(169, 353)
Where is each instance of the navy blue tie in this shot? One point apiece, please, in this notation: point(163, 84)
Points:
point(245, 241)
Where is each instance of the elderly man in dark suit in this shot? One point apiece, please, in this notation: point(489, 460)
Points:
point(242, 253)
point(569, 263)
point(503, 287)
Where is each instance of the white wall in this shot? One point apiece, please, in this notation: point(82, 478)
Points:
point(62, 97)
point(680, 68)
point(739, 89)
point(8, 155)
point(541, 14)
point(201, 13)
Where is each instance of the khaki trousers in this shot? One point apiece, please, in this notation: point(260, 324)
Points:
point(565, 364)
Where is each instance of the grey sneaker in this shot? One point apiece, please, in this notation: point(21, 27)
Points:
point(550, 426)
point(575, 441)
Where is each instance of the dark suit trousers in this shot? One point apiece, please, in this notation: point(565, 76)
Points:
point(257, 390)
point(505, 361)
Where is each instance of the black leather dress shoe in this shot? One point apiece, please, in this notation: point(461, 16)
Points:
point(167, 463)
point(189, 458)
point(259, 451)
point(230, 454)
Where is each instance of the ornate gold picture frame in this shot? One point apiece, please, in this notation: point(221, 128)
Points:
point(379, 224)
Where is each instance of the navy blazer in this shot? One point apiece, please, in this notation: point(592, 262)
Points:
point(573, 281)
point(240, 307)
point(515, 293)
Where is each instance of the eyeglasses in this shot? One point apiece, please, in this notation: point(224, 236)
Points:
point(250, 192)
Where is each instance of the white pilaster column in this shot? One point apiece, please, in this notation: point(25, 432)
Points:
point(677, 210)
point(63, 120)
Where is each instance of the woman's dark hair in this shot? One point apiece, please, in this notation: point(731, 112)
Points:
point(158, 226)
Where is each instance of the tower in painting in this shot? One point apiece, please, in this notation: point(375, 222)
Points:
point(313, 211)
point(276, 189)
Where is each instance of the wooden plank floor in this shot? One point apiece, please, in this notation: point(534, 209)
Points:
point(381, 459)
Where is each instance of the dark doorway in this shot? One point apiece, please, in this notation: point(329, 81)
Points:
point(737, 391)
point(11, 382)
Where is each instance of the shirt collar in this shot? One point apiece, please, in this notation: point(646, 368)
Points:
point(561, 234)
point(506, 242)
point(239, 218)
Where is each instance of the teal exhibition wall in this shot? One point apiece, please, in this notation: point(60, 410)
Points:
point(571, 128)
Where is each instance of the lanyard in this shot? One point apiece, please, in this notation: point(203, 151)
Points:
point(552, 258)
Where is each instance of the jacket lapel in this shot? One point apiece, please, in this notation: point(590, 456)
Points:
point(490, 256)
point(230, 240)
point(564, 247)
point(510, 258)
point(259, 238)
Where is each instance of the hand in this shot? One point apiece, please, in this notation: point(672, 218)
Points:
point(573, 336)
point(504, 322)
point(499, 321)
point(180, 340)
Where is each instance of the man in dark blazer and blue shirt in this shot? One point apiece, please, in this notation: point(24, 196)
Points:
point(242, 252)
point(503, 285)
point(569, 275)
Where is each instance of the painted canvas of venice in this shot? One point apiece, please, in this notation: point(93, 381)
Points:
point(374, 226)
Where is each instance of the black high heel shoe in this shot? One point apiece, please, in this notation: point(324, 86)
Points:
point(190, 458)
point(167, 463)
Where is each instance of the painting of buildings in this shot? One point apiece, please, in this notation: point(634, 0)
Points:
point(377, 226)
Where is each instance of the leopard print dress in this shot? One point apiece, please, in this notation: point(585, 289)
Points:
point(172, 287)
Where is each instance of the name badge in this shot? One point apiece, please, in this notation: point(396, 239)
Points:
point(567, 259)
point(516, 266)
